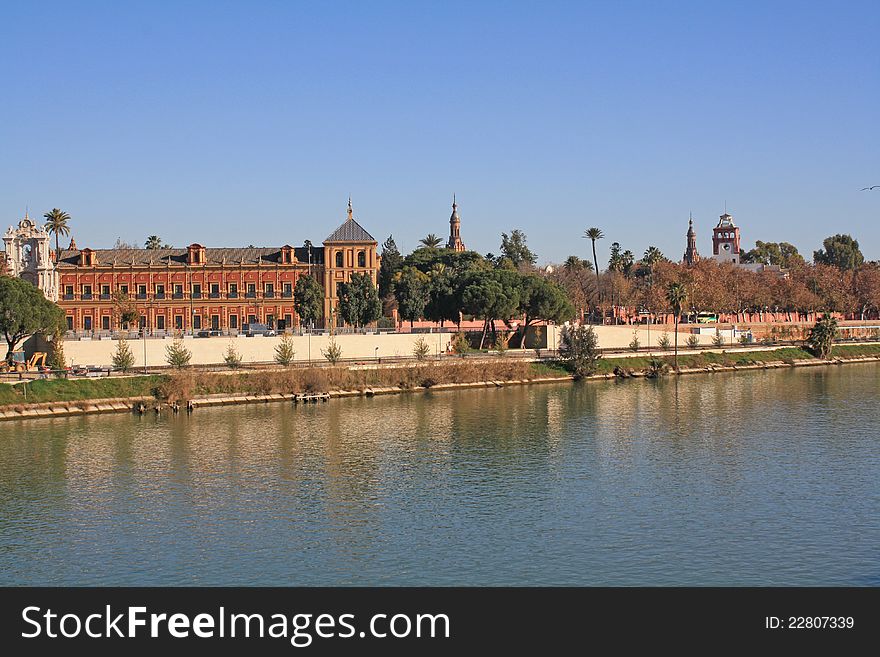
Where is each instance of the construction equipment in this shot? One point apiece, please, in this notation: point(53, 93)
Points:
point(36, 363)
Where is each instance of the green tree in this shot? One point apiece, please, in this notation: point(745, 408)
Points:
point(177, 355)
point(122, 359)
point(574, 264)
point(359, 301)
point(421, 349)
point(430, 241)
point(822, 336)
point(412, 291)
point(24, 311)
point(56, 357)
point(580, 350)
point(56, 223)
point(232, 358)
point(155, 242)
point(284, 351)
point(125, 309)
point(333, 352)
point(594, 234)
point(652, 256)
point(392, 262)
point(542, 299)
point(841, 251)
point(308, 300)
point(781, 254)
point(676, 295)
point(513, 248)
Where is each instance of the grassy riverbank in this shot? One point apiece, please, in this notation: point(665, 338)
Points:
point(192, 383)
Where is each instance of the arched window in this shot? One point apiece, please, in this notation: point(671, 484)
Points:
point(362, 259)
point(339, 258)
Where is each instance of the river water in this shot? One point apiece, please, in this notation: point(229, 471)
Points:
point(767, 478)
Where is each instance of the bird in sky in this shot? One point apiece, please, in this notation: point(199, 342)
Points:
point(869, 188)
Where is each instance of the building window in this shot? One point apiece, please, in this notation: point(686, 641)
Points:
point(362, 259)
point(87, 323)
point(141, 291)
point(196, 291)
point(215, 290)
point(105, 323)
point(270, 321)
point(251, 291)
point(288, 321)
point(160, 291)
point(178, 322)
point(252, 319)
point(197, 322)
point(286, 290)
point(86, 292)
point(68, 292)
point(178, 291)
point(123, 289)
point(269, 290)
point(233, 290)
point(160, 322)
point(215, 322)
point(339, 259)
point(70, 322)
point(233, 321)
point(105, 291)
point(338, 288)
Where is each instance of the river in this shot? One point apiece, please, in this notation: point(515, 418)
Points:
point(751, 478)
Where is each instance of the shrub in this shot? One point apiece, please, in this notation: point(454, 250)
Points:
point(421, 349)
point(745, 339)
point(664, 342)
point(56, 355)
point(718, 339)
point(284, 351)
point(232, 358)
point(580, 350)
point(122, 359)
point(656, 368)
point(634, 344)
point(333, 352)
point(693, 341)
point(822, 336)
point(502, 342)
point(177, 355)
point(460, 344)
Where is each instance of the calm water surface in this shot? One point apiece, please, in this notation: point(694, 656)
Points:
point(745, 478)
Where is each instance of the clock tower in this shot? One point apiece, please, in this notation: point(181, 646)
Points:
point(725, 240)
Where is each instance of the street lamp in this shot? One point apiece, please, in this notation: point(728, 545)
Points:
point(377, 354)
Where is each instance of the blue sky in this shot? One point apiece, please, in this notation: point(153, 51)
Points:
point(231, 123)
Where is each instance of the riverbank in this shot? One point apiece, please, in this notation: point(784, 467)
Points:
point(60, 397)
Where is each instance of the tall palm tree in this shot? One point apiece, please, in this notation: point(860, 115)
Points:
point(431, 241)
point(153, 242)
point(594, 234)
point(676, 294)
point(56, 222)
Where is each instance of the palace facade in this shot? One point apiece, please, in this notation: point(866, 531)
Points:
point(192, 289)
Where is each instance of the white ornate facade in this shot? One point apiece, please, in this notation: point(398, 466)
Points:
point(29, 256)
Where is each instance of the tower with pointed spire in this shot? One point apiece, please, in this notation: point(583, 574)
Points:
point(691, 255)
point(455, 242)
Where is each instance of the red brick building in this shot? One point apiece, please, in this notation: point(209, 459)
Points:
point(200, 288)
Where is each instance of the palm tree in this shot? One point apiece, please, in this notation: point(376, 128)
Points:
point(431, 241)
point(56, 222)
point(153, 242)
point(594, 234)
point(676, 294)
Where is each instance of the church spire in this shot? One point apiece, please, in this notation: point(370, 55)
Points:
point(691, 255)
point(350, 215)
point(455, 242)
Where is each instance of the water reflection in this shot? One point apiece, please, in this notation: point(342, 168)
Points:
point(749, 478)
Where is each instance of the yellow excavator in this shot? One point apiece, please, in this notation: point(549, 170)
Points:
point(36, 363)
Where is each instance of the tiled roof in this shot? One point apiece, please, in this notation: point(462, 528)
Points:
point(177, 257)
point(350, 231)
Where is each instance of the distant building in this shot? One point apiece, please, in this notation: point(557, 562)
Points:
point(691, 255)
point(725, 240)
point(190, 289)
point(455, 242)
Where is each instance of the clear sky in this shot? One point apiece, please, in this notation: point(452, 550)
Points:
point(230, 123)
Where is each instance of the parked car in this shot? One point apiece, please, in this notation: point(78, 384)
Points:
point(209, 333)
point(250, 330)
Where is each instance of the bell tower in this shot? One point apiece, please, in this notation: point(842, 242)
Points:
point(29, 256)
point(725, 240)
point(691, 255)
point(455, 242)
